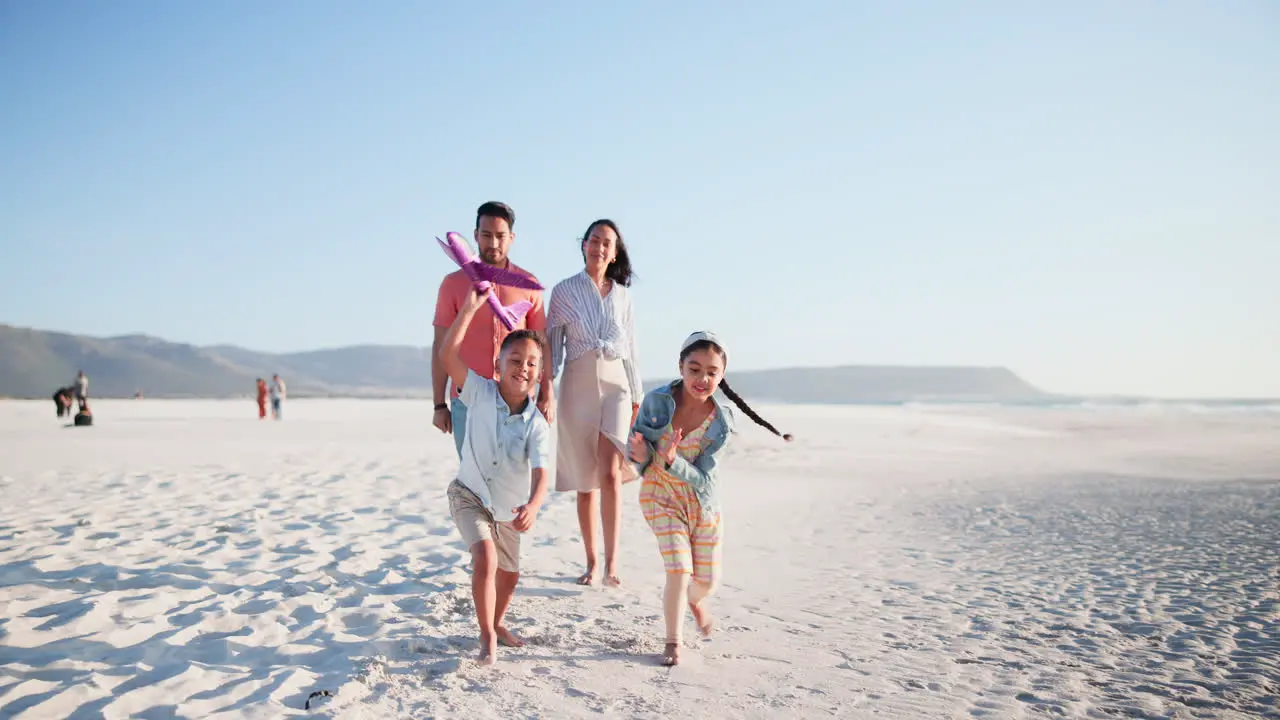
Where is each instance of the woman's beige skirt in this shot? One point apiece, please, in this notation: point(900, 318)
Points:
point(594, 400)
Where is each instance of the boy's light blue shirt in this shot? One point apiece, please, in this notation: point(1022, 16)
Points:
point(500, 449)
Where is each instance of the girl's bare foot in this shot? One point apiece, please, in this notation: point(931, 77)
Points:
point(703, 619)
point(612, 581)
point(671, 655)
point(508, 638)
point(589, 577)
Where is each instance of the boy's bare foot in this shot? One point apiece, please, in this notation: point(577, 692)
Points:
point(488, 650)
point(703, 618)
point(612, 581)
point(508, 638)
point(589, 577)
point(671, 655)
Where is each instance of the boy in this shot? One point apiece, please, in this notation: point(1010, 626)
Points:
point(505, 436)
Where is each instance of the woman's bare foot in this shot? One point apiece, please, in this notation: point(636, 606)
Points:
point(611, 574)
point(703, 618)
point(508, 638)
point(671, 655)
point(488, 650)
point(589, 577)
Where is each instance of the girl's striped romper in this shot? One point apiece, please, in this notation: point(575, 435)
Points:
point(688, 538)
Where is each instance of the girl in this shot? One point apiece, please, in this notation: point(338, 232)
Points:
point(592, 334)
point(679, 429)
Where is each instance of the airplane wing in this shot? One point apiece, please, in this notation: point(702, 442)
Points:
point(504, 277)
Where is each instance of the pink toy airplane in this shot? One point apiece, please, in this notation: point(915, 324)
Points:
point(484, 276)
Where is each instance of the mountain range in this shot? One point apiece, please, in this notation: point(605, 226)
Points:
point(34, 363)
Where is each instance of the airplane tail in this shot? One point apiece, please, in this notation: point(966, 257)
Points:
point(513, 313)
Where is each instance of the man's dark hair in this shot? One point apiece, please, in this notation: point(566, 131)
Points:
point(496, 209)
point(523, 334)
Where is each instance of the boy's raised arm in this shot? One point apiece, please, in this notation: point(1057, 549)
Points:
point(451, 344)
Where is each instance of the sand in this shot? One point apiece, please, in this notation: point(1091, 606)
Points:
point(184, 559)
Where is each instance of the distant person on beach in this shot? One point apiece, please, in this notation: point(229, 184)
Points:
point(480, 344)
point(82, 386)
point(679, 429)
point(63, 398)
point(592, 334)
point(262, 398)
point(506, 449)
point(277, 396)
point(84, 417)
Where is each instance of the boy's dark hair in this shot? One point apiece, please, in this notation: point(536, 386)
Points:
point(496, 209)
point(523, 334)
point(728, 391)
point(619, 270)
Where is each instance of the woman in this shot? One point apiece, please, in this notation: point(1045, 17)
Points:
point(591, 333)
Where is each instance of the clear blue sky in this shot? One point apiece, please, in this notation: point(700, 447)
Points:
point(1087, 193)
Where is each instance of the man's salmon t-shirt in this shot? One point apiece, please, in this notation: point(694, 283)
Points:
point(485, 335)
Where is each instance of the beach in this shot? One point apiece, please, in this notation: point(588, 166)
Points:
point(185, 559)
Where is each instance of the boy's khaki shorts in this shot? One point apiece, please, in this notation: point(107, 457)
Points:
point(477, 524)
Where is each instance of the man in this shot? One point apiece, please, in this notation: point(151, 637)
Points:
point(493, 237)
point(82, 387)
point(277, 396)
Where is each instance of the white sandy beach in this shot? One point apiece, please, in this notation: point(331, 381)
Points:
point(184, 559)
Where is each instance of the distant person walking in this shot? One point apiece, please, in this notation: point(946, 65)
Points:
point(591, 331)
point(262, 398)
point(483, 338)
point(82, 387)
point(277, 396)
point(679, 431)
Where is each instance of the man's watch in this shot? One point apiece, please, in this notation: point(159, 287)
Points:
point(441, 406)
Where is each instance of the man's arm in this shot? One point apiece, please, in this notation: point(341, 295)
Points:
point(446, 312)
point(439, 376)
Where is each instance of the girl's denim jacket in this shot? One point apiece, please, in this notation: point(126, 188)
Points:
point(652, 420)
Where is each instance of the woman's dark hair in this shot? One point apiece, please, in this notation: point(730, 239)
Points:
point(619, 270)
point(728, 391)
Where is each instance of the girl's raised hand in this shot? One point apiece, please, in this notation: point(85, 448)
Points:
point(669, 454)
